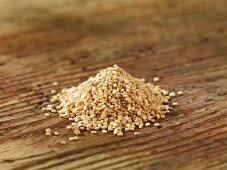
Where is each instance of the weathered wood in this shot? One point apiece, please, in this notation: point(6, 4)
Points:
point(182, 42)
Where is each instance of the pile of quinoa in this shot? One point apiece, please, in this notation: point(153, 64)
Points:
point(112, 101)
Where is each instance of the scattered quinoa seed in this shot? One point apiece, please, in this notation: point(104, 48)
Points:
point(163, 116)
point(175, 104)
point(49, 107)
point(104, 131)
point(172, 94)
point(155, 79)
point(63, 142)
point(53, 110)
point(136, 133)
point(115, 131)
point(179, 92)
point(56, 133)
point(76, 138)
point(143, 80)
point(48, 130)
point(53, 91)
point(141, 126)
point(120, 134)
point(55, 83)
point(165, 92)
point(71, 138)
point(147, 124)
point(47, 114)
point(157, 125)
point(52, 100)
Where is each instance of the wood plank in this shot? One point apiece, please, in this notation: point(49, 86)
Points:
point(182, 42)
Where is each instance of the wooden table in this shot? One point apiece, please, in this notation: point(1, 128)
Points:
point(182, 42)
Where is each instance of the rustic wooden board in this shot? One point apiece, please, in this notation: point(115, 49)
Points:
point(182, 42)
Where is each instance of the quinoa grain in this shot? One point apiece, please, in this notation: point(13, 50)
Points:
point(56, 133)
point(175, 104)
point(112, 101)
point(47, 114)
point(53, 91)
point(157, 125)
point(155, 79)
point(172, 94)
point(55, 83)
point(179, 92)
point(136, 133)
point(63, 142)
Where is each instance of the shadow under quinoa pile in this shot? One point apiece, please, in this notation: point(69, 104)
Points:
point(112, 101)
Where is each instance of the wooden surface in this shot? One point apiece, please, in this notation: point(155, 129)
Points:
point(182, 42)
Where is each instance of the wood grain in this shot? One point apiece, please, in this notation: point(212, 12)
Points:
point(182, 42)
